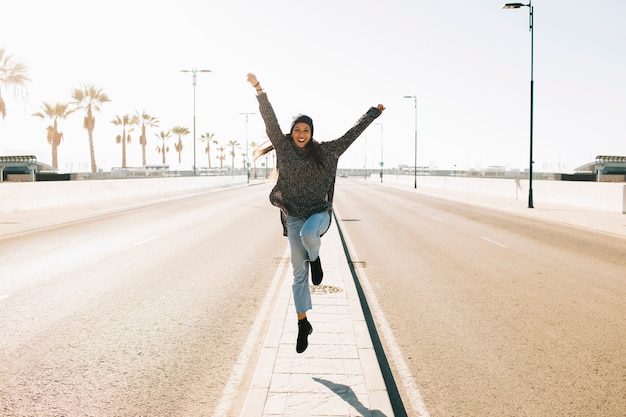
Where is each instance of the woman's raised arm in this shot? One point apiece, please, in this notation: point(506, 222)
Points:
point(272, 128)
point(255, 83)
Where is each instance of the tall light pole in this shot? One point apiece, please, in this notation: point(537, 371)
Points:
point(415, 153)
point(531, 26)
point(193, 72)
point(247, 155)
point(381, 150)
point(365, 159)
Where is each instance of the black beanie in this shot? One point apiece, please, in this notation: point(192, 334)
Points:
point(302, 118)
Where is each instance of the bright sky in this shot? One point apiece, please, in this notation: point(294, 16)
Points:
point(468, 63)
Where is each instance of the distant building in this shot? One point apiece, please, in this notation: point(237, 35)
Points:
point(21, 168)
point(605, 168)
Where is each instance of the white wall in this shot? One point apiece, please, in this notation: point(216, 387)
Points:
point(600, 196)
point(23, 196)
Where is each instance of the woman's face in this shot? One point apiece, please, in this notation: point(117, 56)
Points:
point(301, 134)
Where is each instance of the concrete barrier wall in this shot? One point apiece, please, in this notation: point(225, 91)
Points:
point(607, 197)
point(26, 196)
point(599, 196)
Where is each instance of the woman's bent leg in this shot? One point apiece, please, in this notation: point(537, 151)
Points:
point(300, 287)
point(311, 233)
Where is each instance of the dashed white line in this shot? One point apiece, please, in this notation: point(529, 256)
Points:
point(145, 240)
point(439, 219)
point(502, 245)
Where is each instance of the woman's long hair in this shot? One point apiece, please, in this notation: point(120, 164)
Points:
point(315, 150)
point(260, 151)
point(263, 149)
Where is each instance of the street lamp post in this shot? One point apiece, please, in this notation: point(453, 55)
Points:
point(415, 153)
point(365, 160)
point(193, 72)
point(381, 150)
point(531, 26)
point(247, 155)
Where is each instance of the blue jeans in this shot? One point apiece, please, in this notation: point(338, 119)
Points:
point(305, 242)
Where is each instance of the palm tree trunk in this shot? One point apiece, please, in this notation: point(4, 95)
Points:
point(55, 159)
point(124, 148)
point(143, 141)
point(55, 144)
point(90, 123)
point(92, 152)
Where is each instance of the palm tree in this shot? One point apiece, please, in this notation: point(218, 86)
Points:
point(125, 120)
point(180, 131)
point(221, 156)
point(208, 138)
point(89, 98)
point(54, 113)
point(163, 149)
point(11, 75)
point(233, 144)
point(146, 121)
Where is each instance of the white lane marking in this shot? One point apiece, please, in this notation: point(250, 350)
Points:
point(241, 364)
point(439, 219)
point(494, 242)
point(4, 297)
point(145, 240)
point(415, 398)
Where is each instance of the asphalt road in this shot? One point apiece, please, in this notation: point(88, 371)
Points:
point(140, 312)
point(495, 314)
point(144, 311)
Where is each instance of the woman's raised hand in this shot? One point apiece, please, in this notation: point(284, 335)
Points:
point(252, 79)
point(381, 107)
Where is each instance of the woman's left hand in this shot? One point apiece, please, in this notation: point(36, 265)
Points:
point(381, 107)
point(252, 79)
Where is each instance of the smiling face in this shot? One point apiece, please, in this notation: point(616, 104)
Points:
point(301, 134)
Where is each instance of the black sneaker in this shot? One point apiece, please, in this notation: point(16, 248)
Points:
point(304, 330)
point(316, 271)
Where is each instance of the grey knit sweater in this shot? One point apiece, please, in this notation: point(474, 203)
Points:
point(303, 187)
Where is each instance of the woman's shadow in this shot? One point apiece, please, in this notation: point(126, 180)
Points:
point(347, 394)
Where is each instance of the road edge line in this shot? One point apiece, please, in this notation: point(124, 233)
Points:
point(406, 378)
point(241, 364)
